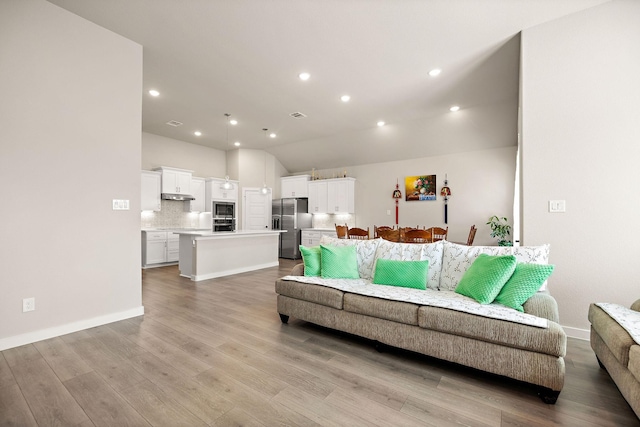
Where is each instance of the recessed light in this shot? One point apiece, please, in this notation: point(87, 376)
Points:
point(272, 135)
point(454, 108)
point(381, 123)
point(435, 72)
point(233, 122)
point(197, 133)
point(304, 76)
point(154, 92)
point(237, 143)
point(345, 98)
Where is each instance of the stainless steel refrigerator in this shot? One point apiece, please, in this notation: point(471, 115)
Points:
point(290, 215)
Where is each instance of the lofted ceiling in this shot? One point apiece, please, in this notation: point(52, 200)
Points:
point(243, 57)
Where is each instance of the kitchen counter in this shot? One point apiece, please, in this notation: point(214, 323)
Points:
point(207, 255)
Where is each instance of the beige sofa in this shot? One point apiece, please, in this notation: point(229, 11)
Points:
point(617, 352)
point(523, 352)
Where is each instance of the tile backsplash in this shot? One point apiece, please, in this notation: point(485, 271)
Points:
point(173, 214)
point(330, 220)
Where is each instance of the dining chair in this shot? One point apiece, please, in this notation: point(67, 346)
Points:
point(403, 231)
point(391, 235)
point(439, 233)
point(358, 233)
point(341, 231)
point(418, 236)
point(472, 235)
point(376, 229)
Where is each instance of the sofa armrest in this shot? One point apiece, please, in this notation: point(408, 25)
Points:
point(636, 305)
point(542, 304)
point(297, 270)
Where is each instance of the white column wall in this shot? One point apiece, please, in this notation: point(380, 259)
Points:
point(69, 144)
point(580, 110)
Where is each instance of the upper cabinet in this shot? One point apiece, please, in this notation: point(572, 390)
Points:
point(294, 186)
point(175, 181)
point(335, 196)
point(341, 195)
point(150, 190)
point(318, 196)
point(220, 189)
point(198, 191)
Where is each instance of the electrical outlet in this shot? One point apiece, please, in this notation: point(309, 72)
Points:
point(28, 304)
point(388, 212)
point(120, 205)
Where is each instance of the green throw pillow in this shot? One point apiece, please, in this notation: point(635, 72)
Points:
point(311, 260)
point(525, 281)
point(486, 277)
point(339, 262)
point(407, 274)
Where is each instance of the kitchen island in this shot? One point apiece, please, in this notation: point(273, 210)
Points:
point(207, 255)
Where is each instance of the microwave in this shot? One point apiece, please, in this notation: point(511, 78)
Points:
point(224, 210)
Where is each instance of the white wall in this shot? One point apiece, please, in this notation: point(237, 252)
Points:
point(481, 182)
point(69, 144)
point(205, 162)
point(580, 112)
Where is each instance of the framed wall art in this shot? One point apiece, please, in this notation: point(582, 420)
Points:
point(421, 187)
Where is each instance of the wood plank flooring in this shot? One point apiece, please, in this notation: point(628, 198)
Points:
point(215, 353)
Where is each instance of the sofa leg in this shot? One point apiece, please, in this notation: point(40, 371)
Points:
point(600, 363)
point(284, 318)
point(547, 395)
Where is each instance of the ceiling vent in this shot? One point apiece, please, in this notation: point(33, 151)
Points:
point(174, 123)
point(298, 115)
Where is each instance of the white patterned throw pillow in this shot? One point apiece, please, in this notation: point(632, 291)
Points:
point(458, 258)
point(415, 252)
point(365, 252)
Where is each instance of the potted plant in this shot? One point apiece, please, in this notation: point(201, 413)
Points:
point(500, 229)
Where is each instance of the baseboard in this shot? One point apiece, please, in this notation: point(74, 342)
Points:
point(197, 278)
point(581, 334)
point(44, 334)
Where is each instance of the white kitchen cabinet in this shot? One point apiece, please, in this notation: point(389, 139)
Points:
point(159, 248)
point(318, 196)
point(294, 186)
point(198, 190)
point(312, 237)
point(341, 195)
point(175, 181)
point(215, 190)
point(150, 191)
point(173, 247)
point(332, 196)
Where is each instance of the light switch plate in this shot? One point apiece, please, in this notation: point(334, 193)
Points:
point(556, 206)
point(120, 205)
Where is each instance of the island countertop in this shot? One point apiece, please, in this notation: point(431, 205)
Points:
point(226, 234)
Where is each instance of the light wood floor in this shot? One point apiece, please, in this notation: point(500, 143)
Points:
point(215, 353)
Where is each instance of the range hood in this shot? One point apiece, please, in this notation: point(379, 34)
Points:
point(179, 197)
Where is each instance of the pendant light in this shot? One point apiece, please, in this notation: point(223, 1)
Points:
point(227, 185)
point(265, 190)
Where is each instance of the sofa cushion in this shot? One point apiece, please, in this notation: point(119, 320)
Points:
point(486, 277)
point(311, 259)
point(415, 252)
point(365, 252)
point(407, 274)
point(396, 311)
point(634, 361)
point(551, 340)
point(339, 262)
point(525, 281)
point(312, 293)
point(456, 259)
